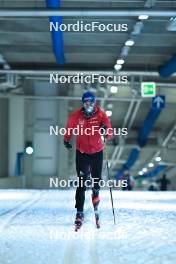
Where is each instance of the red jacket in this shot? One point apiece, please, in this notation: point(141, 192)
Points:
point(87, 143)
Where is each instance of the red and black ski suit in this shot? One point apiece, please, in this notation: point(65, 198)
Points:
point(89, 148)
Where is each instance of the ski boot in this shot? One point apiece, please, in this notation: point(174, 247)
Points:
point(95, 202)
point(79, 220)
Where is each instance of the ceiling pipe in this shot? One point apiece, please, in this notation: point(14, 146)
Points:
point(57, 36)
point(76, 98)
point(165, 141)
point(84, 72)
point(85, 13)
point(134, 114)
point(168, 68)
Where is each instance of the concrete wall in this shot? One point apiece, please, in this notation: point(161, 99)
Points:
point(45, 146)
point(16, 131)
point(50, 159)
point(3, 137)
point(11, 182)
point(172, 177)
point(63, 154)
point(38, 182)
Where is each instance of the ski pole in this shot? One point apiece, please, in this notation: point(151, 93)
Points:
point(110, 188)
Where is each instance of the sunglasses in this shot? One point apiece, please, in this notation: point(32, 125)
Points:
point(90, 103)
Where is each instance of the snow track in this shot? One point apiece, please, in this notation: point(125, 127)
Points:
point(38, 227)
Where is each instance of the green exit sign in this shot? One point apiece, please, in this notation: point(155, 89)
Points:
point(148, 89)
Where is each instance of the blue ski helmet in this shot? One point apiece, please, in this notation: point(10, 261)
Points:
point(88, 96)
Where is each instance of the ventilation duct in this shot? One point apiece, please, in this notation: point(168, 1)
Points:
point(148, 126)
point(144, 132)
point(169, 68)
point(131, 160)
point(152, 173)
point(57, 36)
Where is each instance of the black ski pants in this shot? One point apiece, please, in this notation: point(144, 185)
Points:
point(86, 164)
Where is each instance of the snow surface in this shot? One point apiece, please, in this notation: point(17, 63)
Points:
point(36, 226)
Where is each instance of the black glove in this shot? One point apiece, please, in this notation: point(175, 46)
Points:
point(67, 145)
point(103, 129)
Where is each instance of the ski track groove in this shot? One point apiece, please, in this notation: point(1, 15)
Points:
point(18, 210)
point(17, 206)
point(69, 252)
point(94, 258)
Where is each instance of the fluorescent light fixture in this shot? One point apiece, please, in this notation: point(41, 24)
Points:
point(109, 113)
point(141, 173)
point(171, 26)
point(144, 169)
point(158, 158)
point(120, 61)
point(117, 67)
point(114, 89)
point(143, 17)
point(151, 165)
point(173, 19)
point(129, 43)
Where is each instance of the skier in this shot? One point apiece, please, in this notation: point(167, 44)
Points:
point(129, 180)
point(163, 183)
point(89, 150)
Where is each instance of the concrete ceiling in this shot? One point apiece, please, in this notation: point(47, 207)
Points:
point(27, 41)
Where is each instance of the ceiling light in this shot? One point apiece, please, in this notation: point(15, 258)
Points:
point(144, 169)
point(140, 173)
point(114, 89)
point(120, 61)
point(151, 165)
point(158, 158)
point(129, 42)
point(171, 26)
point(109, 113)
point(143, 17)
point(173, 19)
point(117, 67)
point(29, 150)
